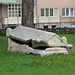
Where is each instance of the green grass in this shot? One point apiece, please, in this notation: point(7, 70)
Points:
point(70, 39)
point(14, 63)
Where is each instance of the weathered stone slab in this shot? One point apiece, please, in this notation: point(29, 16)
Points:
point(8, 31)
point(23, 48)
point(69, 47)
point(50, 51)
point(13, 46)
point(25, 34)
point(55, 50)
point(19, 38)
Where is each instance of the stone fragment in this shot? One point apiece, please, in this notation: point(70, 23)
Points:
point(13, 46)
point(69, 47)
point(8, 31)
point(25, 34)
point(23, 48)
point(20, 39)
point(55, 50)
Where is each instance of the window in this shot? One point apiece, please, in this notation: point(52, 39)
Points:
point(74, 11)
point(55, 12)
point(49, 12)
point(42, 12)
point(35, 1)
point(46, 27)
point(71, 11)
point(68, 12)
point(53, 26)
point(63, 12)
point(14, 10)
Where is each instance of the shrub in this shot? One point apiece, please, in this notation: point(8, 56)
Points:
point(2, 32)
point(66, 30)
point(61, 30)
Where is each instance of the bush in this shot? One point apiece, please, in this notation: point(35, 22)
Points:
point(65, 30)
point(2, 32)
point(61, 30)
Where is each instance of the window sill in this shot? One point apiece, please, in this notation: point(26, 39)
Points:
point(49, 16)
point(68, 16)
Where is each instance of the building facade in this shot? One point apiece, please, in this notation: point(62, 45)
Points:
point(10, 12)
point(52, 13)
point(47, 13)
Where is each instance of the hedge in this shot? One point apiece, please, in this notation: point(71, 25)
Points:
point(61, 30)
point(2, 32)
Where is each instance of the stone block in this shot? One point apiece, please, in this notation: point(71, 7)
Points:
point(8, 31)
point(25, 34)
point(20, 38)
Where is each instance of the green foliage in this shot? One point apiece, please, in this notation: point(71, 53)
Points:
point(2, 32)
point(14, 63)
point(36, 44)
point(65, 30)
point(61, 30)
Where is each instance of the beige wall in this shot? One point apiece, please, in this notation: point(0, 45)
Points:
point(54, 20)
point(47, 4)
point(4, 11)
point(11, 20)
point(55, 4)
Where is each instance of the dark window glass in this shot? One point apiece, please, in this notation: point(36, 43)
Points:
point(47, 12)
point(63, 12)
point(42, 12)
point(71, 11)
point(67, 11)
point(51, 12)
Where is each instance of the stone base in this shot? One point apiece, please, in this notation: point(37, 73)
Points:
point(13, 46)
point(51, 51)
point(22, 38)
point(69, 47)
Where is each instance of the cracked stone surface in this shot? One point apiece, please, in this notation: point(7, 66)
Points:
point(23, 34)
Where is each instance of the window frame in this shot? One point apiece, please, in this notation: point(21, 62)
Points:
point(43, 12)
point(69, 12)
point(17, 9)
point(49, 12)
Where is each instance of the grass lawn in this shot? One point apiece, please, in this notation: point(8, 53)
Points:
point(14, 63)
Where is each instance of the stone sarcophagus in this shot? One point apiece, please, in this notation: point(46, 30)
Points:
point(22, 39)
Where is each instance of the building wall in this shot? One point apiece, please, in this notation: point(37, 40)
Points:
point(11, 14)
point(37, 16)
point(12, 20)
point(0, 13)
point(59, 20)
point(4, 11)
point(55, 4)
point(11, 1)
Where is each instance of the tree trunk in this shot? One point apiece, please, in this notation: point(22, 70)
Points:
point(28, 13)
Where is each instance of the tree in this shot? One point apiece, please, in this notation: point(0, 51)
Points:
point(28, 13)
